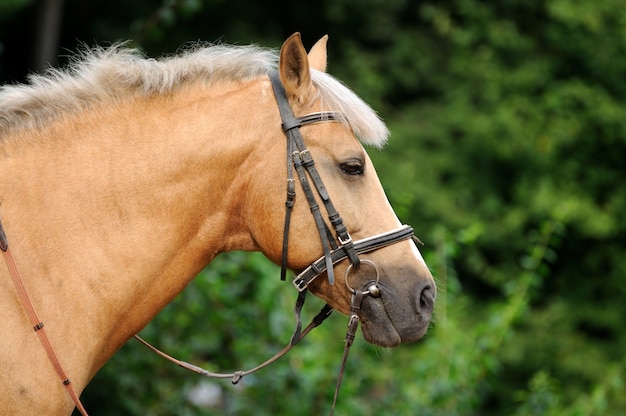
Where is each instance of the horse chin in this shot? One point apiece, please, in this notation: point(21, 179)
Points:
point(376, 325)
point(383, 336)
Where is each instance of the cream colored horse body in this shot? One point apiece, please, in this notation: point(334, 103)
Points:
point(111, 209)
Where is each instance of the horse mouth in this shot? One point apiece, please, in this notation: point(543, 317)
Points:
point(388, 322)
point(379, 333)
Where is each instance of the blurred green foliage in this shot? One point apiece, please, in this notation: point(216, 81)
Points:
point(508, 156)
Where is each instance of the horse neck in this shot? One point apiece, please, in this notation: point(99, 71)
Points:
point(111, 214)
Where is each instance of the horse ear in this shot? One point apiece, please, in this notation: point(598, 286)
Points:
point(294, 69)
point(317, 54)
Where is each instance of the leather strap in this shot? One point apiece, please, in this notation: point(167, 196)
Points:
point(302, 281)
point(235, 377)
point(300, 158)
point(353, 324)
point(289, 203)
point(37, 324)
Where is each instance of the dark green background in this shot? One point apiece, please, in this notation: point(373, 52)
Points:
point(507, 155)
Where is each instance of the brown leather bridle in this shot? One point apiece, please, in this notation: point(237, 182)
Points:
point(337, 247)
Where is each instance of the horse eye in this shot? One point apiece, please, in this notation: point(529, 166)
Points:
point(353, 168)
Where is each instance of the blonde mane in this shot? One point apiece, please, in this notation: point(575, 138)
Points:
point(99, 75)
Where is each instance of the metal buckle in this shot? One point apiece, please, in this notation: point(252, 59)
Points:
point(365, 245)
point(346, 241)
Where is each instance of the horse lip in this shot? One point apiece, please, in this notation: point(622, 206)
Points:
point(378, 325)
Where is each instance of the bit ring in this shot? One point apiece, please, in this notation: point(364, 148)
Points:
point(372, 288)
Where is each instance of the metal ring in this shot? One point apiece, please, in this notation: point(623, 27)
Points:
point(371, 263)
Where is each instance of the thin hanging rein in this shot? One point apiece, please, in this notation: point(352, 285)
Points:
point(37, 324)
point(335, 249)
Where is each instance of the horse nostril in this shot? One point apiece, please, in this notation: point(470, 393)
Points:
point(427, 299)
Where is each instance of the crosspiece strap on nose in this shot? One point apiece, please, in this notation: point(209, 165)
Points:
point(302, 281)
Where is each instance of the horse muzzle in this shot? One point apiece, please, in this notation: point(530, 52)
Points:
point(393, 314)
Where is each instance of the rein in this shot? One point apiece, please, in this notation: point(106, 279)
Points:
point(337, 247)
point(34, 320)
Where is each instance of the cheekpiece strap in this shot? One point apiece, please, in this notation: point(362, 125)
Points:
point(300, 159)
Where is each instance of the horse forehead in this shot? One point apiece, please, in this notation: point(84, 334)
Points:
point(333, 137)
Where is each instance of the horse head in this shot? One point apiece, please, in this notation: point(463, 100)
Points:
point(401, 301)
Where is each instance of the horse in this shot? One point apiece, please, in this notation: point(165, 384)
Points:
point(123, 177)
